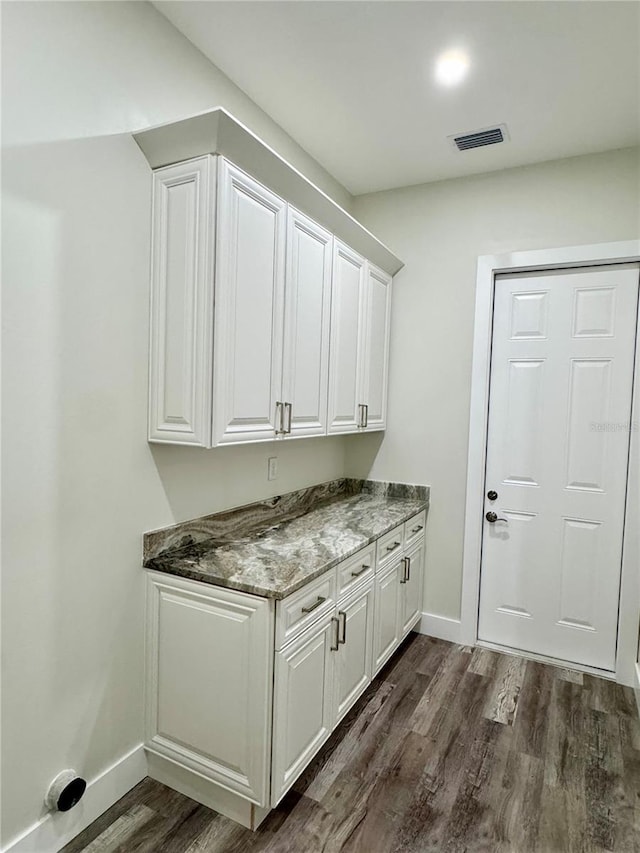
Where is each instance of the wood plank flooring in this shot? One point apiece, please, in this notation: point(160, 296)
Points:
point(450, 750)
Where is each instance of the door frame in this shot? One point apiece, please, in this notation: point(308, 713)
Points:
point(546, 259)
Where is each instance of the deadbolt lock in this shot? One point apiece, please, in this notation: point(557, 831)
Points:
point(492, 495)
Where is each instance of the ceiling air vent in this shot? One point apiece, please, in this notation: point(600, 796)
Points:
point(480, 138)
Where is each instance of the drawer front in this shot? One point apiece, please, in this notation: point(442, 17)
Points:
point(356, 570)
point(301, 609)
point(414, 529)
point(390, 546)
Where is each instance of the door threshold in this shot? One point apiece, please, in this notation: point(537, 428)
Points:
point(562, 664)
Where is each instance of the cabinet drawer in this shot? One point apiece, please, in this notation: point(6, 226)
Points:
point(300, 609)
point(356, 570)
point(390, 546)
point(414, 528)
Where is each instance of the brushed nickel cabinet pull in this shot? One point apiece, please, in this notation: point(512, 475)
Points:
point(393, 546)
point(403, 579)
point(417, 529)
point(279, 418)
point(366, 415)
point(288, 408)
point(320, 600)
point(360, 571)
point(343, 616)
point(336, 622)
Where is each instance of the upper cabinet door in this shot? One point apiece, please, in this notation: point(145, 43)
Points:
point(347, 340)
point(249, 301)
point(182, 304)
point(305, 372)
point(375, 373)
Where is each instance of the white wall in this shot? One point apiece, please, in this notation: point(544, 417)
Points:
point(80, 483)
point(439, 230)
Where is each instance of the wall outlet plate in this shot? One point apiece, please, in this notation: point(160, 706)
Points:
point(272, 468)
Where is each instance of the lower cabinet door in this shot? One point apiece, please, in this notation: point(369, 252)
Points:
point(386, 627)
point(304, 708)
point(412, 588)
point(209, 682)
point(354, 657)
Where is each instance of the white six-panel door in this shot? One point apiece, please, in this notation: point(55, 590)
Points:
point(557, 452)
point(249, 308)
point(347, 339)
point(305, 369)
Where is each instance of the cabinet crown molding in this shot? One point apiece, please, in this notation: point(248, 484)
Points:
point(218, 132)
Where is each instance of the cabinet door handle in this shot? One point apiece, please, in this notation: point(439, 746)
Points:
point(288, 407)
point(408, 559)
point(343, 616)
point(417, 529)
point(279, 419)
point(319, 600)
point(336, 622)
point(403, 579)
point(360, 571)
point(366, 415)
point(360, 415)
point(393, 546)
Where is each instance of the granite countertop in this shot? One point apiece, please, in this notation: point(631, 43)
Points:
point(273, 548)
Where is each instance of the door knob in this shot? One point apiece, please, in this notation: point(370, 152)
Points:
point(493, 517)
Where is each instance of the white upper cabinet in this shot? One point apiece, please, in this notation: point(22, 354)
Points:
point(348, 305)
point(305, 367)
point(375, 373)
point(264, 325)
point(249, 308)
point(360, 315)
point(181, 304)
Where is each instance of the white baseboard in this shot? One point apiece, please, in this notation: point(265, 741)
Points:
point(56, 829)
point(441, 627)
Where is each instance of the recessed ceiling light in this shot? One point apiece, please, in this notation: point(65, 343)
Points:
point(452, 67)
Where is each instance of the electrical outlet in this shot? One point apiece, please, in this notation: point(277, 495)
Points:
point(272, 469)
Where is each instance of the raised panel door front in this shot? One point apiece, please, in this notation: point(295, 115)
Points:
point(378, 313)
point(354, 656)
point(303, 713)
point(412, 588)
point(347, 340)
point(305, 369)
point(249, 293)
point(557, 455)
point(388, 614)
point(181, 304)
point(204, 644)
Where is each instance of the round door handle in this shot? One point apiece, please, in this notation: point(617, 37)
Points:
point(493, 517)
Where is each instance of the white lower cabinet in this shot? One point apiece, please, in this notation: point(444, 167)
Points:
point(412, 587)
point(388, 602)
point(303, 702)
point(241, 693)
point(353, 662)
point(209, 682)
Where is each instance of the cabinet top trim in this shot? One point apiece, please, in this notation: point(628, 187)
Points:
point(218, 132)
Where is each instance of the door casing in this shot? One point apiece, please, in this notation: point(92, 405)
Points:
point(627, 669)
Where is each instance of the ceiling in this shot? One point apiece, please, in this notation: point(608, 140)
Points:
point(353, 82)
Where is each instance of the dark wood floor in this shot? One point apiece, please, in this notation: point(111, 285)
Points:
point(450, 749)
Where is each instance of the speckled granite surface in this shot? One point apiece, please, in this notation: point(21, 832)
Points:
point(272, 548)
